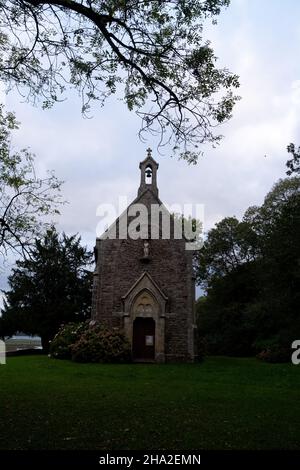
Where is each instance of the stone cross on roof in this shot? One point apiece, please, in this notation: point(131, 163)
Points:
point(149, 152)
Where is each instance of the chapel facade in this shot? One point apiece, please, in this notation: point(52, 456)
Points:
point(143, 281)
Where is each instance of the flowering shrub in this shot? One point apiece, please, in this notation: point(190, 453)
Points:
point(101, 344)
point(60, 346)
point(86, 342)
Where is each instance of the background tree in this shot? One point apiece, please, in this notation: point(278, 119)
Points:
point(190, 229)
point(294, 163)
point(151, 52)
point(225, 268)
point(50, 288)
point(25, 200)
point(227, 246)
point(250, 271)
point(280, 274)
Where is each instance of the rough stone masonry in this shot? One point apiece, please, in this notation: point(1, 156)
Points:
point(146, 286)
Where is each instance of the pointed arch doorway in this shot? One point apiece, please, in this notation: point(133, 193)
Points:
point(144, 320)
point(144, 309)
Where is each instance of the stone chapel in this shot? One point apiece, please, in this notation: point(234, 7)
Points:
point(145, 285)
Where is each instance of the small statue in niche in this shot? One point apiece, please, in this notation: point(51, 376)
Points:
point(146, 249)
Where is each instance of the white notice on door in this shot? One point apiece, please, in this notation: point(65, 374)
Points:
point(149, 341)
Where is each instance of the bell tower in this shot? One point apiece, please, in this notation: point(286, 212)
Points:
point(148, 169)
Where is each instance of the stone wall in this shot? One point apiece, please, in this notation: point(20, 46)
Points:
point(120, 264)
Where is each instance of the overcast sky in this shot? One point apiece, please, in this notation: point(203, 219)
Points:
point(98, 158)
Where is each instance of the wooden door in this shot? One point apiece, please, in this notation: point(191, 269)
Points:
point(143, 341)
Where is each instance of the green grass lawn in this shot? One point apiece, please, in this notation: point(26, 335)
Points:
point(223, 403)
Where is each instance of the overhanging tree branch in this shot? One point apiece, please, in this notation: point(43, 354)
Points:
point(25, 199)
point(152, 52)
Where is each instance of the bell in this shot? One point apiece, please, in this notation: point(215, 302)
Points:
point(148, 173)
